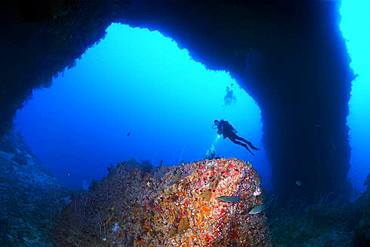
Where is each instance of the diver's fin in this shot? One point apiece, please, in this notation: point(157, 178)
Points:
point(249, 150)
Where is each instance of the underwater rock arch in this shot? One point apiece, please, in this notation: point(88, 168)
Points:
point(290, 57)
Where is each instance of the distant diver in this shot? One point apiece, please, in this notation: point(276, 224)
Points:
point(228, 131)
point(229, 97)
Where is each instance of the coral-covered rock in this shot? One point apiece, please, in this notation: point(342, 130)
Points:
point(180, 208)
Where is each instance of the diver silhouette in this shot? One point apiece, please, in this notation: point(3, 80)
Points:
point(228, 131)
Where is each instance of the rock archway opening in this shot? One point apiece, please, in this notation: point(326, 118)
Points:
point(129, 98)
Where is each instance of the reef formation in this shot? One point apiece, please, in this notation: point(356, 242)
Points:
point(185, 205)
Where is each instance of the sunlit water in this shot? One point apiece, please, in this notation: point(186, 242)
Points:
point(355, 26)
point(135, 95)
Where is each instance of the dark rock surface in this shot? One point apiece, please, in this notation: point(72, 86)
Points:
point(362, 233)
point(30, 198)
point(289, 55)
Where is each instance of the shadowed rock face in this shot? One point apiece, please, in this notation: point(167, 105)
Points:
point(30, 198)
point(289, 56)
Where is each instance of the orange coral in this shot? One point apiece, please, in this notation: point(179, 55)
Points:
point(181, 208)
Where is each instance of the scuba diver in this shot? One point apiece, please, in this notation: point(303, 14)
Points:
point(227, 130)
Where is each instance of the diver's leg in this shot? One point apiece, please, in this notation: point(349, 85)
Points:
point(246, 141)
point(240, 138)
point(242, 144)
point(252, 146)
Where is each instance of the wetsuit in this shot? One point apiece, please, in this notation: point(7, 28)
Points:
point(228, 131)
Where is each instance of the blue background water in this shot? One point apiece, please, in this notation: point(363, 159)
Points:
point(355, 26)
point(153, 90)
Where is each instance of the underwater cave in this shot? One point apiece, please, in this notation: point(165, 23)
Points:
point(290, 57)
point(106, 93)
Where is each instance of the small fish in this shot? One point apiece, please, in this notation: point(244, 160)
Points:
point(257, 192)
point(232, 199)
point(128, 133)
point(257, 209)
point(298, 183)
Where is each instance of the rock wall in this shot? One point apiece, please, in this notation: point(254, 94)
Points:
point(362, 228)
point(30, 197)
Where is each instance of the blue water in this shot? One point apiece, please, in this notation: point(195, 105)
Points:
point(355, 24)
point(130, 98)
